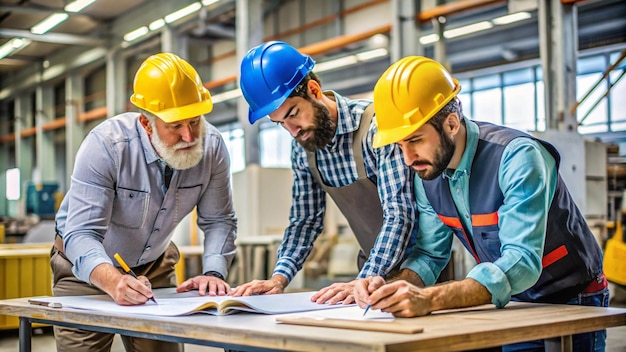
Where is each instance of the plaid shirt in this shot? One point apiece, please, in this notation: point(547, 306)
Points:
point(384, 166)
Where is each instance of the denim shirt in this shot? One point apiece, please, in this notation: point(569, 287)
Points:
point(116, 202)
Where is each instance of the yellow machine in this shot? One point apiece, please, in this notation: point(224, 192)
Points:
point(615, 257)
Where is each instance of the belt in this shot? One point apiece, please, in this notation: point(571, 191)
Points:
point(598, 284)
point(58, 244)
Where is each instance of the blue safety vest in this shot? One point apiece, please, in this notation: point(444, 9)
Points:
point(572, 258)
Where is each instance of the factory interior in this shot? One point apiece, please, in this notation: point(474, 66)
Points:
point(551, 68)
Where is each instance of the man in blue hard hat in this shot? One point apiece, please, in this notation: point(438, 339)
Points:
point(332, 154)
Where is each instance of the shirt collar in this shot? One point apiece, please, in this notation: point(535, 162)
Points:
point(471, 144)
point(148, 149)
point(346, 122)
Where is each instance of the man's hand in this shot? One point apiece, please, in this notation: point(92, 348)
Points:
point(335, 293)
point(261, 287)
point(364, 287)
point(124, 289)
point(210, 285)
point(402, 299)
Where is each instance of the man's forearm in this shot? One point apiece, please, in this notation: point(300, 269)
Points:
point(406, 275)
point(458, 294)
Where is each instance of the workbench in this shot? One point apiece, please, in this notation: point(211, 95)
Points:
point(453, 330)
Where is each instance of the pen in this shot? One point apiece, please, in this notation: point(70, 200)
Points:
point(128, 270)
point(366, 309)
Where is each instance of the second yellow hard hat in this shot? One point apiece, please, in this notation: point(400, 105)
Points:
point(408, 94)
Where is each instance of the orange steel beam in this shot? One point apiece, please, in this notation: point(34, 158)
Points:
point(454, 7)
point(93, 114)
point(27, 132)
point(7, 138)
point(54, 124)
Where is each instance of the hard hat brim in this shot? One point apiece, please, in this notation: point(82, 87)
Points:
point(180, 113)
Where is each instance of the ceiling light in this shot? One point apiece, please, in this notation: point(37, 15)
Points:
point(209, 2)
point(514, 17)
point(336, 63)
point(429, 39)
point(49, 23)
point(137, 33)
point(156, 24)
point(228, 95)
point(176, 15)
point(12, 46)
point(78, 5)
point(371, 54)
point(472, 28)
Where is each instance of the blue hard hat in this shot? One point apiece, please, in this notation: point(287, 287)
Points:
point(269, 73)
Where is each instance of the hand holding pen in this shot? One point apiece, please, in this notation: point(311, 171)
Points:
point(128, 270)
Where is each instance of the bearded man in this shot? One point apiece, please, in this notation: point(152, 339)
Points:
point(136, 176)
point(331, 154)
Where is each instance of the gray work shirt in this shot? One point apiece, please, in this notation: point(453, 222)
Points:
point(116, 202)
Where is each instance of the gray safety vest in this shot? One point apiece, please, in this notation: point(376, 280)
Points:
point(358, 201)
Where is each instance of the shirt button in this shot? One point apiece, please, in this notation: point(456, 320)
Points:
point(162, 210)
point(148, 248)
point(156, 230)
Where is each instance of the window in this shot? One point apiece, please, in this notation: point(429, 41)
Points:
point(13, 185)
point(519, 106)
point(275, 146)
point(233, 137)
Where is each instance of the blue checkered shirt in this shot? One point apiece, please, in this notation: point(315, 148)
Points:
point(384, 166)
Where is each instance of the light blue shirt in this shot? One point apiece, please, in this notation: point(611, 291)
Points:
point(527, 177)
point(116, 202)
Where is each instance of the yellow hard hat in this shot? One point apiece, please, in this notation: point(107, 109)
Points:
point(170, 88)
point(408, 94)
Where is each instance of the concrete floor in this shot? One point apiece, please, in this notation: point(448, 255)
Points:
point(43, 339)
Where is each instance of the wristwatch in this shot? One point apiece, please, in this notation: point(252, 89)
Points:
point(214, 274)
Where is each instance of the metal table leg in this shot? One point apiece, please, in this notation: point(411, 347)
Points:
point(25, 335)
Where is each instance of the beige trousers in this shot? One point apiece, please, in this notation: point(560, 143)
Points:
point(160, 273)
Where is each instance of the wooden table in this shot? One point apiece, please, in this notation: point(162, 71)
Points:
point(453, 330)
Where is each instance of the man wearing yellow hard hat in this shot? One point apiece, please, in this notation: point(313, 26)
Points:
point(136, 176)
point(496, 189)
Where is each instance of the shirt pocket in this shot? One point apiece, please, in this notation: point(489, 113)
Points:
point(186, 199)
point(488, 246)
point(130, 208)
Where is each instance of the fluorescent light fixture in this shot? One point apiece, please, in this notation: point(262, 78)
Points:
point(371, 54)
point(209, 2)
point(137, 33)
point(156, 24)
point(429, 39)
point(49, 23)
point(472, 28)
point(228, 95)
point(78, 5)
point(12, 46)
point(176, 15)
point(514, 17)
point(13, 184)
point(336, 63)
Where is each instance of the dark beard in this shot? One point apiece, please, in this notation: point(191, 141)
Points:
point(323, 130)
point(442, 159)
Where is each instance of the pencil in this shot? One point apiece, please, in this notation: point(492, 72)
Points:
point(128, 270)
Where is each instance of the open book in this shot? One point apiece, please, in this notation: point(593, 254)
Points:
point(171, 303)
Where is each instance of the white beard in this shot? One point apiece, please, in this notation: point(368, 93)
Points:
point(174, 156)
